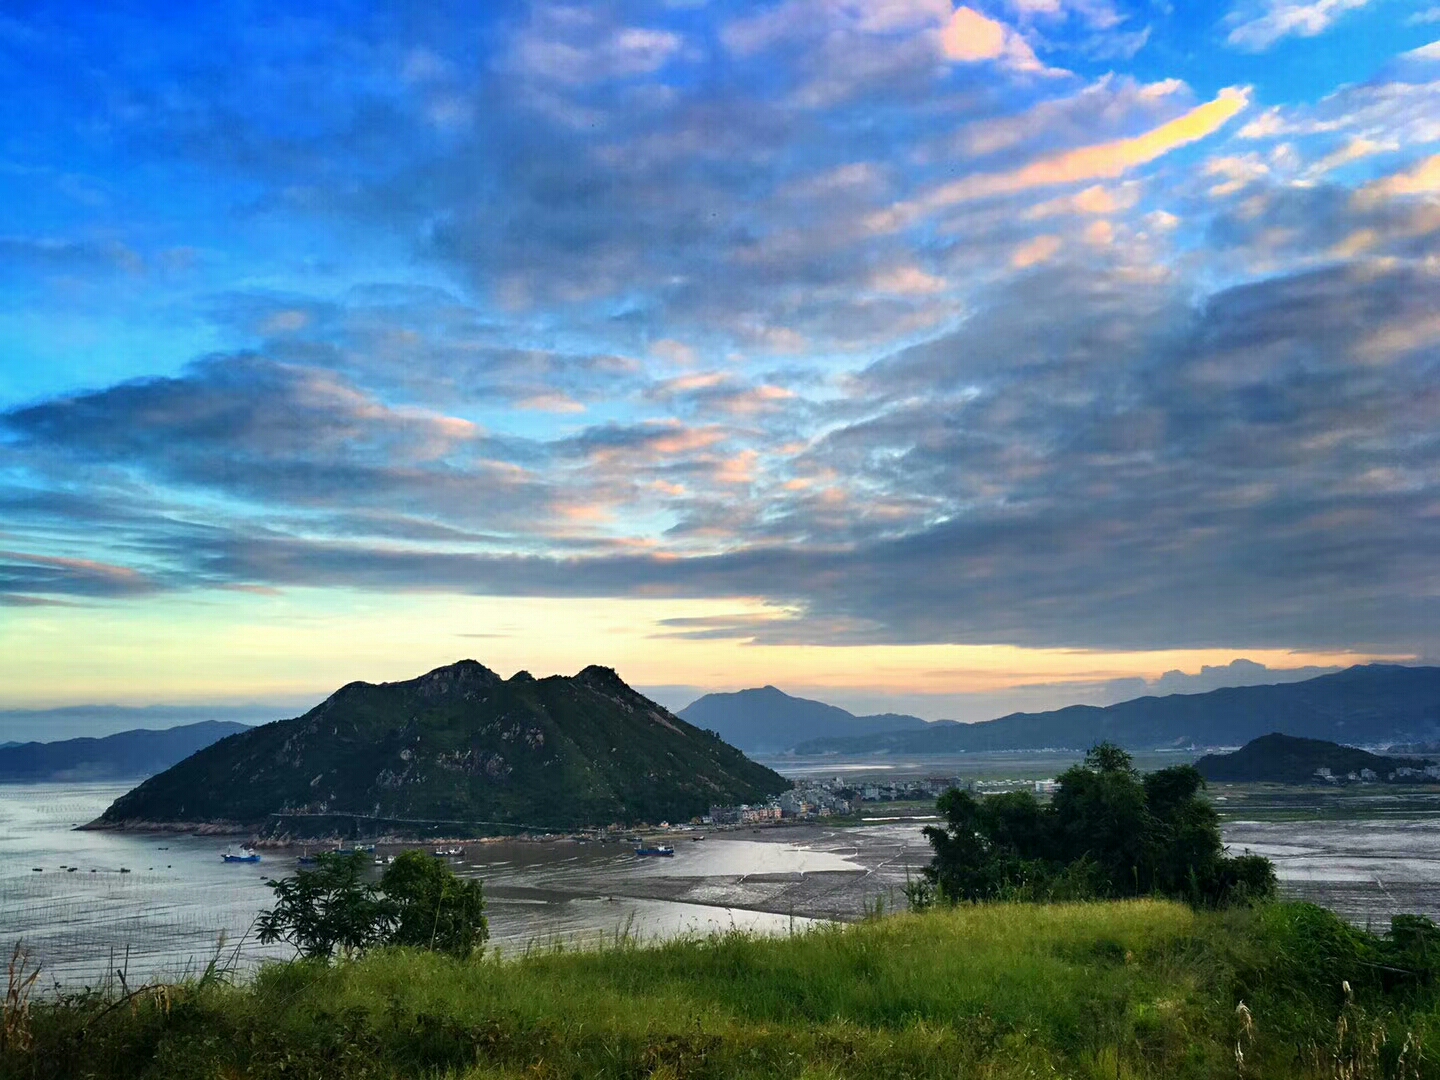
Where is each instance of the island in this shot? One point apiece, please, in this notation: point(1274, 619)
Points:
point(1285, 759)
point(457, 751)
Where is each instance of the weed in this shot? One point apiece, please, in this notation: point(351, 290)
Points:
point(15, 1032)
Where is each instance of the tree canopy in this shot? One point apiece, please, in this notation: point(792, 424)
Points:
point(419, 902)
point(1107, 832)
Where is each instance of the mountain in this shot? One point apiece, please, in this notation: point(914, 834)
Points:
point(456, 750)
point(1284, 759)
point(1374, 703)
point(96, 721)
point(121, 756)
point(770, 720)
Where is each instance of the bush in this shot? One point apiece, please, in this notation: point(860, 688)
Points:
point(433, 908)
point(319, 911)
point(419, 902)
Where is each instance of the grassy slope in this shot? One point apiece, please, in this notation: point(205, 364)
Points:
point(1102, 990)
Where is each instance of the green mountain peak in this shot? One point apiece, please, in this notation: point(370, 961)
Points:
point(458, 749)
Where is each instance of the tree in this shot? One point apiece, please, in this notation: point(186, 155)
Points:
point(1186, 845)
point(434, 909)
point(1106, 832)
point(1100, 814)
point(418, 902)
point(1106, 757)
point(328, 908)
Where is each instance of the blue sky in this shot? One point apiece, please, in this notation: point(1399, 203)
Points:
point(889, 351)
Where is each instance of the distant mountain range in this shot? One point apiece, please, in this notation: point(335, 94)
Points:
point(95, 721)
point(454, 751)
point(768, 720)
point(1284, 759)
point(126, 755)
point(1373, 704)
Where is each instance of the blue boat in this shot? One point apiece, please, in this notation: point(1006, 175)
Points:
point(242, 854)
point(660, 850)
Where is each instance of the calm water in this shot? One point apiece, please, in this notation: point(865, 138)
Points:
point(159, 905)
point(178, 899)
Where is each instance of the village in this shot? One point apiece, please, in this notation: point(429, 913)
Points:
point(811, 800)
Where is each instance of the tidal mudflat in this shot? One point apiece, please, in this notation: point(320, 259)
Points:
point(85, 902)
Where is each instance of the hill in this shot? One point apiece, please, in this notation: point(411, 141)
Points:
point(767, 719)
point(1284, 759)
point(123, 756)
point(1379, 703)
point(456, 749)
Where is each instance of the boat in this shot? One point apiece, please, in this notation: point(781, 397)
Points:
point(697, 838)
point(448, 853)
point(664, 851)
point(240, 854)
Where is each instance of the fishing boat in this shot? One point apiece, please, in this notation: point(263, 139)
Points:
point(240, 854)
point(448, 853)
point(663, 851)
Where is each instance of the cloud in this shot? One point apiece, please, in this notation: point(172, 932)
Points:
point(273, 434)
point(1040, 249)
point(834, 304)
point(26, 572)
point(1091, 459)
point(970, 37)
point(575, 46)
point(1423, 178)
point(1257, 25)
point(1101, 161)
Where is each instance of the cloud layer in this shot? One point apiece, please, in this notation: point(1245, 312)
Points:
point(924, 323)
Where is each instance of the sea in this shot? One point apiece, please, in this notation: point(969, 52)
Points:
point(91, 907)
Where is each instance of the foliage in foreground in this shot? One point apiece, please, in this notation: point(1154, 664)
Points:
point(1107, 832)
point(419, 901)
point(1124, 989)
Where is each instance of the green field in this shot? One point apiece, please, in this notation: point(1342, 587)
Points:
point(1119, 989)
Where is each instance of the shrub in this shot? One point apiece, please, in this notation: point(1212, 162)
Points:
point(432, 907)
point(418, 902)
point(328, 908)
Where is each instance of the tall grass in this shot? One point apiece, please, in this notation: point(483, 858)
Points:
point(1127, 989)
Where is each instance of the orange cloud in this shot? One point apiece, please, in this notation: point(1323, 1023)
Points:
point(553, 403)
point(970, 37)
point(1420, 179)
point(1101, 161)
point(907, 281)
point(1032, 252)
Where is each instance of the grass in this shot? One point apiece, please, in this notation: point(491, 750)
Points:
point(1113, 990)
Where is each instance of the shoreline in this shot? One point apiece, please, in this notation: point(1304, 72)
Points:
point(608, 834)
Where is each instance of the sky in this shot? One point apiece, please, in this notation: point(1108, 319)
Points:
point(900, 353)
